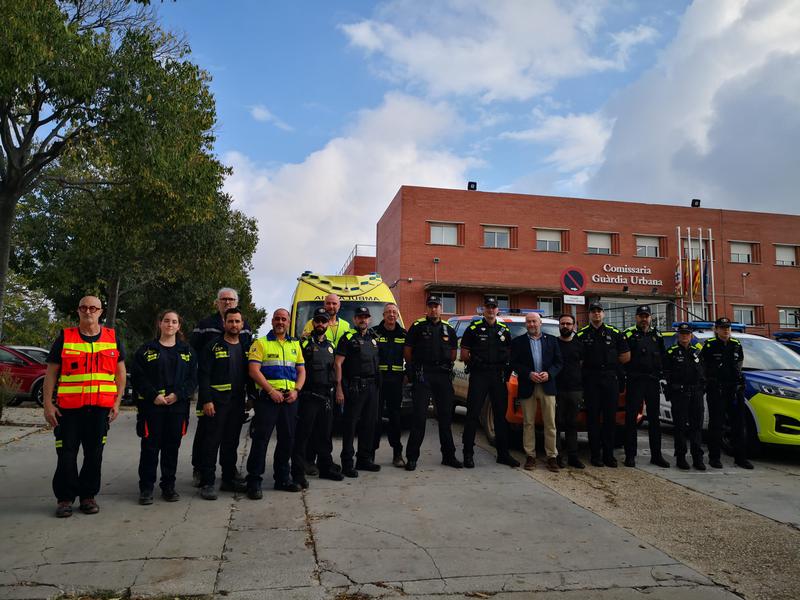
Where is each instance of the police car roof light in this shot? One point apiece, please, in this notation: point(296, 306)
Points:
point(786, 335)
point(707, 325)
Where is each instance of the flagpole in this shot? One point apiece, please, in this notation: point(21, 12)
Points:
point(700, 273)
point(713, 282)
point(689, 268)
point(680, 273)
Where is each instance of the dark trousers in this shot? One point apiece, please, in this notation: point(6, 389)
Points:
point(161, 439)
point(197, 442)
point(270, 416)
point(79, 427)
point(437, 385)
point(601, 392)
point(360, 410)
point(725, 404)
point(221, 438)
point(390, 398)
point(314, 423)
point(567, 406)
point(481, 384)
point(643, 388)
point(687, 417)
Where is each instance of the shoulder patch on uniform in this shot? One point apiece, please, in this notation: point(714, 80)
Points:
point(628, 333)
point(614, 329)
point(422, 320)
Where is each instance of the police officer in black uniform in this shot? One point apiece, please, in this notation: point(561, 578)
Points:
point(722, 358)
point(356, 367)
point(643, 376)
point(315, 412)
point(391, 340)
point(485, 350)
point(684, 390)
point(224, 387)
point(430, 352)
point(605, 351)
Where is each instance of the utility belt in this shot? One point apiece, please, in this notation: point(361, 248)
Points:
point(359, 384)
point(319, 393)
point(601, 371)
point(643, 375)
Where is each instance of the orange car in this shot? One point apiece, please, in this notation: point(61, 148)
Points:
point(516, 323)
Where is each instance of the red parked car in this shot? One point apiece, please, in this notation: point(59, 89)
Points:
point(28, 372)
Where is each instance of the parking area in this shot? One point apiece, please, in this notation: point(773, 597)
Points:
point(435, 533)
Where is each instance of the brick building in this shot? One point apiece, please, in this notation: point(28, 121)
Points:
point(463, 245)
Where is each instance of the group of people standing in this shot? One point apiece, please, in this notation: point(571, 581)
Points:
point(295, 387)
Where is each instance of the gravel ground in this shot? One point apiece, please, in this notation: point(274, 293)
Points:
point(749, 554)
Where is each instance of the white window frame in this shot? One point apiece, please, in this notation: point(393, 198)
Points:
point(442, 228)
point(741, 252)
point(647, 246)
point(740, 311)
point(495, 231)
point(789, 255)
point(448, 300)
point(548, 240)
point(595, 240)
point(789, 316)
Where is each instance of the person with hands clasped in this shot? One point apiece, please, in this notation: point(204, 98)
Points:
point(87, 364)
point(164, 379)
point(277, 367)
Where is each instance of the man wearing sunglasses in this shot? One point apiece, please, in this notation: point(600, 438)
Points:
point(87, 363)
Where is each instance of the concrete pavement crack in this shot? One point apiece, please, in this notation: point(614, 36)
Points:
point(405, 539)
point(311, 542)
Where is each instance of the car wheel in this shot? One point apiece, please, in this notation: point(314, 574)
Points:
point(754, 445)
point(37, 393)
point(487, 421)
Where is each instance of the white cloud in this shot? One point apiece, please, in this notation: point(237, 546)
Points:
point(579, 140)
point(717, 118)
point(509, 49)
point(261, 113)
point(311, 214)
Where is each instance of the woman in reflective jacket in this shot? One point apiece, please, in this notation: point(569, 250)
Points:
point(164, 379)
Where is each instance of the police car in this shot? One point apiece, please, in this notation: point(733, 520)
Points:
point(516, 324)
point(772, 387)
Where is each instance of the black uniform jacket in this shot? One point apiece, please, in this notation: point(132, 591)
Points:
point(723, 361)
point(522, 363)
point(211, 328)
point(683, 369)
point(390, 351)
point(214, 373)
point(147, 376)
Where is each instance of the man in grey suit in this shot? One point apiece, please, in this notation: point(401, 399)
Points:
point(536, 358)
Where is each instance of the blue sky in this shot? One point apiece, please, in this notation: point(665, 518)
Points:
point(326, 108)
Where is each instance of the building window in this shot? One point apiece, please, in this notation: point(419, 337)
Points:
point(741, 252)
point(502, 301)
point(448, 300)
point(445, 234)
point(648, 246)
point(744, 314)
point(789, 317)
point(786, 255)
point(498, 237)
point(548, 240)
point(695, 248)
point(598, 243)
point(550, 306)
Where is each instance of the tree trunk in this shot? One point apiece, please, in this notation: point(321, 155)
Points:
point(8, 204)
point(113, 302)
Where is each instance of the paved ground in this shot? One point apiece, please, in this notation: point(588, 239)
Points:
point(436, 533)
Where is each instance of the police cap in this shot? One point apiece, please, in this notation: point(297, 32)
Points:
point(490, 301)
point(683, 328)
point(643, 309)
point(595, 306)
point(433, 300)
point(362, 311)
point(321, 314)
point(722, 322)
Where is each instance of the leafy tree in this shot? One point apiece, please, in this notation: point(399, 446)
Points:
point(29, 315)
point(72, 74)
